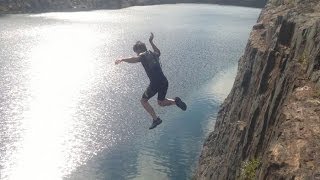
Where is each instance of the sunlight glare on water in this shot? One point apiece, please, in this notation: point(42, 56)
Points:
point(61, 65)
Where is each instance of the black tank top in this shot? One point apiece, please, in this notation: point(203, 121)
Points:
point(151, 64)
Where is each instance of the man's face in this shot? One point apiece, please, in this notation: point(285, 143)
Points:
point(138, 51)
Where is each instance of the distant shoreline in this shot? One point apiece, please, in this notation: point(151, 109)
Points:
point(83, 9)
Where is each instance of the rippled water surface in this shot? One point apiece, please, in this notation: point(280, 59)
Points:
point(67, 112)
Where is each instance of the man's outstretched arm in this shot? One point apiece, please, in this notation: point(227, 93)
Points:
point(154, 47)
point(128, 60)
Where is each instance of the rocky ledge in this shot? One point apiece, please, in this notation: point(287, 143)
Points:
point(269, 125)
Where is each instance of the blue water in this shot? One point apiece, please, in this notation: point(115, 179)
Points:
point(67, 112)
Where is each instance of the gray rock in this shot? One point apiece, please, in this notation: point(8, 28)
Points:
point(272, 113)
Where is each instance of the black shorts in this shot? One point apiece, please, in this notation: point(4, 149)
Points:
point(160, 87)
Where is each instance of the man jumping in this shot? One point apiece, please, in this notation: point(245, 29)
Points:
point(158, 81)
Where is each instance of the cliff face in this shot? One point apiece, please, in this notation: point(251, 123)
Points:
point(272, 114)
point(18, 6)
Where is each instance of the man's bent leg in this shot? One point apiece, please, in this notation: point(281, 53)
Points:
point(148, 108)
point(162, 100)
point(166, 102)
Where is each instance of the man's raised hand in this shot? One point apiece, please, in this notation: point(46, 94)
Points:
point(151, 37)
point(118, 61)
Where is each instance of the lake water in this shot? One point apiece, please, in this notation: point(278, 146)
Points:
point(67, 112)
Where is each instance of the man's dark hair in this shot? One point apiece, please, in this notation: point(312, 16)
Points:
point(139, 47)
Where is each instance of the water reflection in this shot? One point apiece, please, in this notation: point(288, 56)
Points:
point(60, 67)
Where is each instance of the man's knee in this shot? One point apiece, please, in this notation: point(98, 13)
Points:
point(143, 100)
point(161, 103)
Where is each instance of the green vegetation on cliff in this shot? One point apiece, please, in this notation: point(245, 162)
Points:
point(249, 168)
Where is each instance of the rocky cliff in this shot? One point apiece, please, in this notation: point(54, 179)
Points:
point(22, 6)
point(269, 125)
